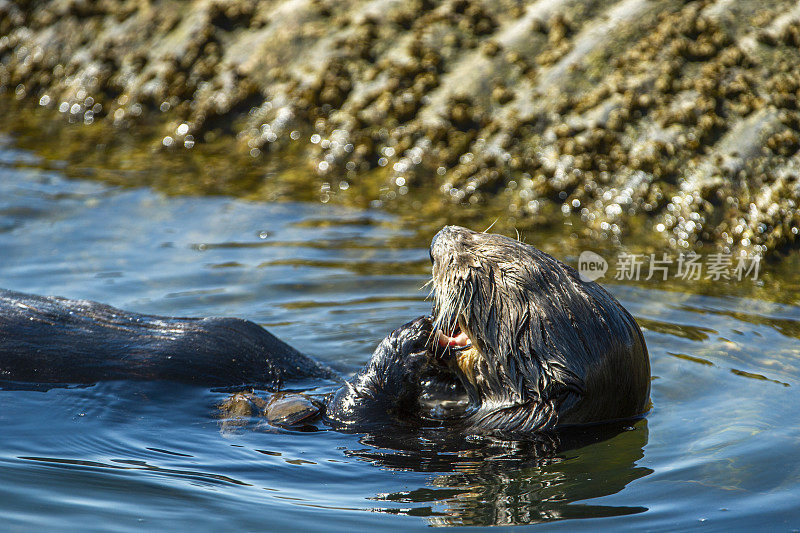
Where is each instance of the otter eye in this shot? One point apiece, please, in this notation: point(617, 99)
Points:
point(430, 253)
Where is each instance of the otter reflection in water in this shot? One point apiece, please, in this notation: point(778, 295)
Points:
point(517, 344)
point(485, 481)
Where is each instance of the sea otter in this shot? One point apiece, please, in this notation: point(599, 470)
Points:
point(516, 343)
point(533, 344)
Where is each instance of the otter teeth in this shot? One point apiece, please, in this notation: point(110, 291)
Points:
point(461, 340)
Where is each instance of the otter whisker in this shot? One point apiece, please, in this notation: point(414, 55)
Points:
point(433, 332)
point(431, 294)
point(491, 225)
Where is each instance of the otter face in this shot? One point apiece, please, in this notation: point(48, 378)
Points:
point(532, 343)
point(481, 293)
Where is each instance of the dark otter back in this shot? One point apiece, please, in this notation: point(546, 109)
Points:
point(55, 340)
point(613, 363)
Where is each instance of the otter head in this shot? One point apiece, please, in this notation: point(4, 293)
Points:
point(533, 345)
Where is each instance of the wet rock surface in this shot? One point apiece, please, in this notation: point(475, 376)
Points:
point(674, 120)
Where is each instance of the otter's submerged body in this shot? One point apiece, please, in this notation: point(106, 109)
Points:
point(517, 344)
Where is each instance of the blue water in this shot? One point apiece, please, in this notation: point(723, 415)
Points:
point(718, 451)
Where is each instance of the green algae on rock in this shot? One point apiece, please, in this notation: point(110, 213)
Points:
point(683, 115)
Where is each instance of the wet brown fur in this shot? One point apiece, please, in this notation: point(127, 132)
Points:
point(548, 348)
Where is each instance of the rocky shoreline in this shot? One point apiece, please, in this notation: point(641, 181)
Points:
point(682, 114)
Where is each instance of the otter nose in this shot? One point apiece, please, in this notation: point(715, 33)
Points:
point(438, 240)
point(448, 235)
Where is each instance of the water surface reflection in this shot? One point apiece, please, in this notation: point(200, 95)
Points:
point(494, 482)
